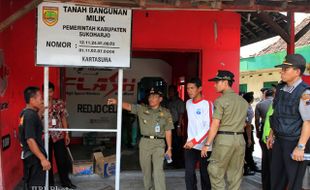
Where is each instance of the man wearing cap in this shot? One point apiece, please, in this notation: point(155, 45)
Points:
point(250, 166)
point(226, 130)
point(290, 124)
point(155, 126)
point(263, 90)
point(261, 110)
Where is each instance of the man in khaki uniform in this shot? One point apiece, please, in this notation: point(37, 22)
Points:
point(155, 126)
point(227, 128)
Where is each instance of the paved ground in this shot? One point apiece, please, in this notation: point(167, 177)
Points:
point(131, 176)
point(132, 180)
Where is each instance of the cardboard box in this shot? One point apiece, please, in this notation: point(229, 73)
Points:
point(104, 166)
point(82, 168)
point(98, 160)
point(109, 165)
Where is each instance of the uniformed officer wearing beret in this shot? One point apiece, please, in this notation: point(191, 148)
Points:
point(290, 124)
point(228, 121)
point(155, 126)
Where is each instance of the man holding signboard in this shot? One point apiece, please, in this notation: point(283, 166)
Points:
point(155, 125)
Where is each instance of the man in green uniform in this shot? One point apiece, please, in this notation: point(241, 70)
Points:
point(226, 130)
point(155, 126)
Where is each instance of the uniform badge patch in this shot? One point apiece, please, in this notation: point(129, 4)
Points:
point(147, 112)
point(161, 114)
point(306, 99)
point(198, 111)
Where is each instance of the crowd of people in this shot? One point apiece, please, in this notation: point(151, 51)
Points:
point(220, 135)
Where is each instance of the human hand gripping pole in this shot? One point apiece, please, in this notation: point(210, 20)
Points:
point(46, 165)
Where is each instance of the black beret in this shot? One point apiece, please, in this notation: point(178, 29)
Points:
point(156, 91)
point(223, 75)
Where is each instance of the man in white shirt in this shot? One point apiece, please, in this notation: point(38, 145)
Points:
point(199, 112)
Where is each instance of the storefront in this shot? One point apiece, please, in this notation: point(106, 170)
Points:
point(173, 43)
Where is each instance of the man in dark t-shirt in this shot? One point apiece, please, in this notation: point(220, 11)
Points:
point(30, 118)
point(31, 131)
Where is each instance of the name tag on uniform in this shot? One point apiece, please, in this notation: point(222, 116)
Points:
point(157, 128)
point(53, 122)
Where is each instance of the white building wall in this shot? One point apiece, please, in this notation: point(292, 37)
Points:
point(255, 80)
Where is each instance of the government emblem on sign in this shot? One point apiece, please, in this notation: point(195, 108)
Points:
point(50, 15)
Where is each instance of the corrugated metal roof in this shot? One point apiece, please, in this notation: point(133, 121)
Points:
point(281, 45)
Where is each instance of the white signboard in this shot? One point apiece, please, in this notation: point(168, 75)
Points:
point(87, 91)
point(83, 36)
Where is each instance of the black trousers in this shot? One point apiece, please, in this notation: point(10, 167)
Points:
point(177, 148)
point(62, 160)
point(284, 170)
point(34, 176)
point(248, 156)
point(266, 162)
point(191, 158)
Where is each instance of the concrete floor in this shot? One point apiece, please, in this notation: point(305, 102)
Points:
point(131, 176)
point(132, 180)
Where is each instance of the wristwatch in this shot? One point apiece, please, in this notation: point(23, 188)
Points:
point(301, 146)
point(207, 145)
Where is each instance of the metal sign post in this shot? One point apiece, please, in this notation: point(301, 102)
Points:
point(119, 128)
point(46, 137)
point(84, 36)
point(118, 131)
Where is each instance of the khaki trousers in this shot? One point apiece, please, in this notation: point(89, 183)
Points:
point(151, 156)
point(227, 158)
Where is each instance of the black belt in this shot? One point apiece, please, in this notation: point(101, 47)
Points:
point(229, 133)
point(152, 137)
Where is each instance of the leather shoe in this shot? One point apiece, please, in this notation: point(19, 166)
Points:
point(256, 169)
point(70, 186)
point(248, 171)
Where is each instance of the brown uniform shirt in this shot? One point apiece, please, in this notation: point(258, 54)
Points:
point(231, 109)
point(150, 118)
